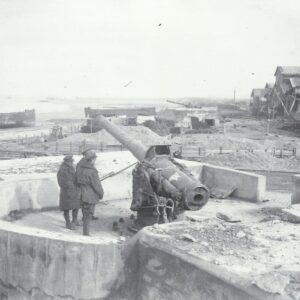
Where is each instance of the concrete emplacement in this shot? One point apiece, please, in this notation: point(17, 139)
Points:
point(41, 264)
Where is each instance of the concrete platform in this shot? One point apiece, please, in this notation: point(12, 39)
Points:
point(156, 263)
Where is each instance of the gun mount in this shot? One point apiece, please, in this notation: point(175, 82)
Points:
point(162, 188)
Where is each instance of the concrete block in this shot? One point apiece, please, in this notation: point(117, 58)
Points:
point(249, 186)
point(28, 194)
point(296, 189)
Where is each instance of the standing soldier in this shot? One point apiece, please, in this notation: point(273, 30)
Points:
point(93, 218)
point(87, 179)
point(68, 198)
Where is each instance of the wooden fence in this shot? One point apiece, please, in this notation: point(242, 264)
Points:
point(186, 151)
point(78, 147)
point(10, 154)
point(42, 137)
point(191, 151)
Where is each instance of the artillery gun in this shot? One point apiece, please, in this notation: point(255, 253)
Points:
point(162, 188)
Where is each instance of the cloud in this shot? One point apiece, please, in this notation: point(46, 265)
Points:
point(202, 48)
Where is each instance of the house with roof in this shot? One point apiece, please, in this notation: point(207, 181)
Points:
point(258, 102)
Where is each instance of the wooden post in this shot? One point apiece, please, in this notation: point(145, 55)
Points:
point(199, 151)
point(221, 149)
point(71, 147)
point(56, 147)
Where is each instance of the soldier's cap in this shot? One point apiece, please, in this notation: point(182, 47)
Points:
point(86, 151)
point(90, 154)
point(68, 158)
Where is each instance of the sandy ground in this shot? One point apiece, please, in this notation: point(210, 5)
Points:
point(246, 134)
point(240, 134)
point(140, 133)
point(106, 162)
point(260, 247)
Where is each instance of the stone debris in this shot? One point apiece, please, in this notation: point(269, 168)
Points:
point(227, 218)
point(241, 234)
point(188, 237)
point(292, 214)
point(155, 226)
point(216, 192)
point(205, 244)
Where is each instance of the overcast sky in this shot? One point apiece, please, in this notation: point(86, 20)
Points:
point(162, 48)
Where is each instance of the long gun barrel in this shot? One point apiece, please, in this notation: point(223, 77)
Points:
point(135, 147)
point(167, 173)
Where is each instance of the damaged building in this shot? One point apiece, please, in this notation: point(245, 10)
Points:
point(286, 92)
point(191, 118)
point(280, 99)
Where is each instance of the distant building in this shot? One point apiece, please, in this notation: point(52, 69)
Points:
point(17, 119)
point(258, 102)
point(111, 112)
point(118, 115)
point(192, 118)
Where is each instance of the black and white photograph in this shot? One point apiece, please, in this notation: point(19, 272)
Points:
point(149, 150)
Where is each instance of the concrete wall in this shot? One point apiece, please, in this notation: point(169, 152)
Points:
point(37, 193)
point(31, 193)
point(166, 273)
point(249, 186)
point(48, 266)
point(296, 189)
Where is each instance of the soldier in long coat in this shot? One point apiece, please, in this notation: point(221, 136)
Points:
point(93, 218)
point(69, 196)
point(90, 188)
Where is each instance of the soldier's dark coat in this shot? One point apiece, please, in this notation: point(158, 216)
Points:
point(87, 179)
point(69, 196)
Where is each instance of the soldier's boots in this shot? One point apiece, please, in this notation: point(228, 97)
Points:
point(86, 226)
point(76, 222)
point(74, 217)
point(69, 225)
